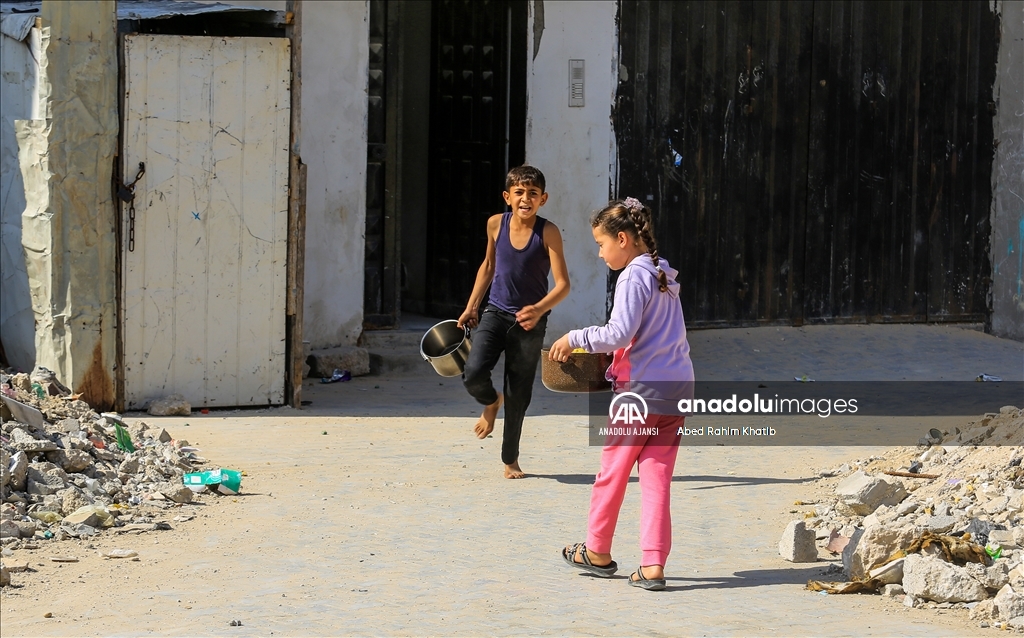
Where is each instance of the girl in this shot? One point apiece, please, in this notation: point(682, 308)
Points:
point(652, 358)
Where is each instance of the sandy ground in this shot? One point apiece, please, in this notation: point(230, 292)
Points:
point(375, 511)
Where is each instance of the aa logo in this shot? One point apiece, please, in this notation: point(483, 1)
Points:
point(628, 408)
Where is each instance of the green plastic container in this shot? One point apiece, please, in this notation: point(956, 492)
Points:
point(222, 480)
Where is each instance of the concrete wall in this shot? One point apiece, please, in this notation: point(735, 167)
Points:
point(573, 146)
point(335, 61)
point(1008, 178)
point(18, 101)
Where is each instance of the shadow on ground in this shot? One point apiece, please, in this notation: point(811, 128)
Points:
point(725, 481)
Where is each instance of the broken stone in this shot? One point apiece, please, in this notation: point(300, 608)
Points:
point(862, 493)
point(893, 591)
point(22, 440)
point(939, 524)
point(72, 499)
point(19, 471)
point(82, 517)
point(17, 566)
point(797, 543)
point(69, 425)
point(993, 577)
point(44, 483)
point(935, 579)
point(5, 576)
point(163, 436)
point(875, 545)
point(129, 466)
point(9, 529)
point(1003, 538)
point(1009, 604)
point(70, 460)
point(173, 405)
point(985, 610)
point(177, 493)
point(907, 507)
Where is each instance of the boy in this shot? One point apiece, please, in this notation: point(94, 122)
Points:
point(522, 249)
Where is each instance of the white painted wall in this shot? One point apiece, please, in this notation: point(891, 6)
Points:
point(335, 61)
point(573, 146)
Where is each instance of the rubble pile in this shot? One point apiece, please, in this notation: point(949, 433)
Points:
point(940, 525)
point(72, 473)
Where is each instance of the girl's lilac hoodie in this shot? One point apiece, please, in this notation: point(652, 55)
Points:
point(646, 333)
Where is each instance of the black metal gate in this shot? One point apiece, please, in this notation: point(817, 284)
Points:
point(476, 131)
point(813, 161)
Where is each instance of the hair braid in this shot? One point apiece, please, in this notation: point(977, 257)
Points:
point(642, 220)
point(634, 218)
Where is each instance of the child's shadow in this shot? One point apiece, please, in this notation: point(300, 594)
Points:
point(749, 578)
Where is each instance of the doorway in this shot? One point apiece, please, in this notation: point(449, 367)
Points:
point(447, 119)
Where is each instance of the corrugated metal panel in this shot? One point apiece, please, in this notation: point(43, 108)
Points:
point(204, 296)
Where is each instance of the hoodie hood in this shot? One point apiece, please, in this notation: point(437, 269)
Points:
point(644, 261)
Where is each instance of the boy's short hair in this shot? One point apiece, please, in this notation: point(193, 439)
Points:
point(527, 175)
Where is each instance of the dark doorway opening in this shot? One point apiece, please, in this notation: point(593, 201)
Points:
point(447, 117)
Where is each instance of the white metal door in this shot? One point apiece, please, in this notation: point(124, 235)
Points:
point(205, 265)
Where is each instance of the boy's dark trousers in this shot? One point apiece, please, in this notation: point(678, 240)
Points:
point(498, 331)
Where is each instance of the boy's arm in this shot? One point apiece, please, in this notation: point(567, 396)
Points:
point(470, 316)
point(530, 315)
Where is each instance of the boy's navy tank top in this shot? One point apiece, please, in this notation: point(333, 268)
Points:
point(520, 276)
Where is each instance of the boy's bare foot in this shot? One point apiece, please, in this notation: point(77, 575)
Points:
point(485, 425)
point(513, 471)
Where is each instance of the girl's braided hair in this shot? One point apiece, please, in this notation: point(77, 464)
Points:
point(633, 218)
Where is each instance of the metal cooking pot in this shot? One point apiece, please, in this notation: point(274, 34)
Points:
point(446, 346)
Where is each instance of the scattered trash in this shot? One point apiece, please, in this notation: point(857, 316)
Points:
point(994, 551)
point(915, 467)
point(24, 413)
point(124, 440)
point(988, 377)
point(235, 623)
point(47, 517)
point(339, 375)
point(804, 379)
point(221, 480)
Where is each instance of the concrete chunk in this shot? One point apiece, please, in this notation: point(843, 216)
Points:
point(797, 543)
point(322, 363)
point(863, 493)
point(935, 579)
point(173, 405)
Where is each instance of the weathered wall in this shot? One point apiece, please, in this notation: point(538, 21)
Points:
point(335, 59)
point(573, 146)
point(1008, 178)
point(69, 234)
point(18, 101)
